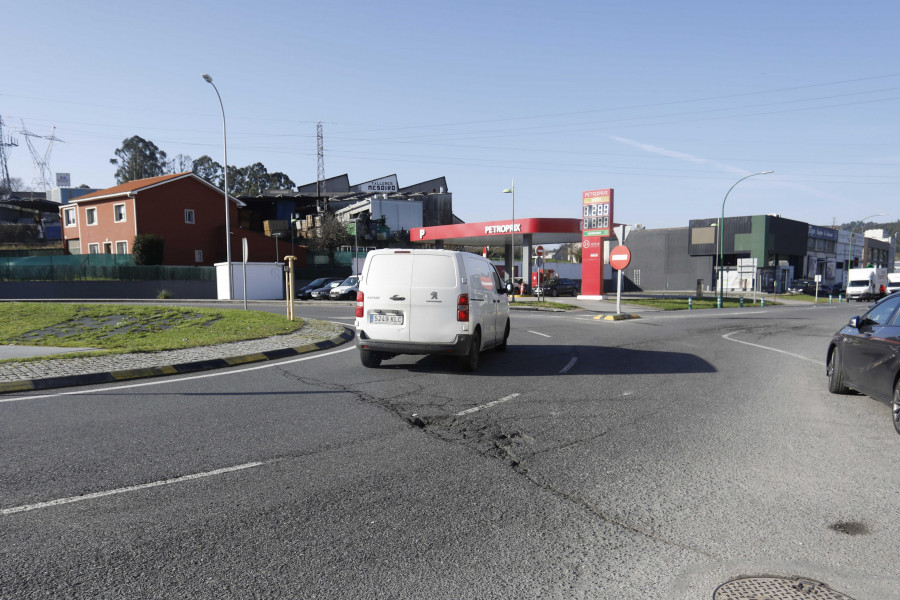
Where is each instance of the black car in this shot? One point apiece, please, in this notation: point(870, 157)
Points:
point(863, 355)
point(557, 287)
point(304, 292)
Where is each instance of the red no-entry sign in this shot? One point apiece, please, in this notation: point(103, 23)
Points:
point(619, 257)
point(540, 251)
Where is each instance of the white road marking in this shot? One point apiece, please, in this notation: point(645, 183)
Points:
point(569, 366)
point(538, 333)
point(483, 406)
point(170, 379)
point(133, 488)
point(727, 337)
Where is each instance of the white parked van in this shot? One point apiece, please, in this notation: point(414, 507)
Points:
point(429, 302)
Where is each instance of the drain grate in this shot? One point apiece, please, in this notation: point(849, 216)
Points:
point(776, 588)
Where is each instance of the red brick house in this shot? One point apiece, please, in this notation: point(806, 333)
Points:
point(187, 212)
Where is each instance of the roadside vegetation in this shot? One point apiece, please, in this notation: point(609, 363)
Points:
point(126, 328)
point(695, 303)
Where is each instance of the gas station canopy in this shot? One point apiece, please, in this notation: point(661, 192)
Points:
point(495, 233)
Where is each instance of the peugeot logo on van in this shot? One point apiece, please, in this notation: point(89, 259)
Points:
point(434, 298)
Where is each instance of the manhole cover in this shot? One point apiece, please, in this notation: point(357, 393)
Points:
point(776, 588)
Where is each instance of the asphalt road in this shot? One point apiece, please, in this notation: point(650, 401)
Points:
point(653, 458)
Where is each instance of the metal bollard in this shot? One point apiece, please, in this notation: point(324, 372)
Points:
point(829, 299)
point(763, 304)
point(741, 303)
point(690, 303)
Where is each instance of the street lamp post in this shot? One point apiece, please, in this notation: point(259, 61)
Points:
point(209, 80)
point(275, 236)
point(721, 282)
point(850, 243)
point(512, 239)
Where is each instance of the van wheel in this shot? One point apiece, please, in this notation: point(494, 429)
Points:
point(469, 362)
point(370, 359)
point(502, 347)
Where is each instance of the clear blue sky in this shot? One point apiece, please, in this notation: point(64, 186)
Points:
point(668, 103)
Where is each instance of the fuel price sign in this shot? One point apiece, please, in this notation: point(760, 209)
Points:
point(597, 212)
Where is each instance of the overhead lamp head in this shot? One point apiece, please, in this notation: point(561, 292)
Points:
point(207, 78)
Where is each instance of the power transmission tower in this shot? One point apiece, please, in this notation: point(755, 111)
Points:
point(320, 169)
point(41, 163)
point(5, 144)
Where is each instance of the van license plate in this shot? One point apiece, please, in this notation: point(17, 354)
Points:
point(389, 319)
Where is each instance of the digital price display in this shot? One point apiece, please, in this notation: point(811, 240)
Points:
point(597, 213)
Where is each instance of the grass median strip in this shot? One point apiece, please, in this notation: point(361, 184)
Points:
point(125, 328)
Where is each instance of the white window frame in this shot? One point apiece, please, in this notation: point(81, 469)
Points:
point(116, 215)
point(87, 216)
point(73, 213)
point(190, 216)
point(124, 243)
point(94, 248)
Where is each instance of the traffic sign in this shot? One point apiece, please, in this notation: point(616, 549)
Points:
point(619, 257)
point(539, 251)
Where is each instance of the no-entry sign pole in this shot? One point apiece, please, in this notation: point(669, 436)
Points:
point(619, 257)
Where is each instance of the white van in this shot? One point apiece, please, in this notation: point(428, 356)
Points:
point(429, 302)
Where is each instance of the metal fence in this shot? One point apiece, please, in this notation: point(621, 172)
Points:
point(95, 267)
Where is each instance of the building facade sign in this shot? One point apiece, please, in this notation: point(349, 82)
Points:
point(823, 233)
point(385, 184)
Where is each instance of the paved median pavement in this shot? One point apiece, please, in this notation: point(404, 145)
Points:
point(51, 368)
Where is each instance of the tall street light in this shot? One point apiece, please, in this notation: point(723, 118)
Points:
point(721, 282)
point(512, 239)
point(850, 245)
point(209, 80)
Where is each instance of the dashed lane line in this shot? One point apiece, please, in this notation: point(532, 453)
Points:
point(484, 406)
point(125, 490)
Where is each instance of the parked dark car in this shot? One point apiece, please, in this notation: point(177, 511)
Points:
point(863, 355)
point(323, 292)
point(557, 287)
point(304, 292)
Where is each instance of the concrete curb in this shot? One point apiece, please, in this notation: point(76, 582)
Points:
point(47, 383)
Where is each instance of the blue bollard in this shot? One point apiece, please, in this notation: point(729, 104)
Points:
point(763, 303)
point(690, 303)
point(741, 303)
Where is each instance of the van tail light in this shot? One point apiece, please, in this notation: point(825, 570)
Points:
point(462, 307)
point(360, 304)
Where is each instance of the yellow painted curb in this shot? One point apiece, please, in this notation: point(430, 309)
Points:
point(616, 317)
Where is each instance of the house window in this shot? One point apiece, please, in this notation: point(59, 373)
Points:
point(119, 212)
point(91, 216)
point(107, 247)
point(121, 247)
point(93, 248)
point(69, 216)
point(189, 216)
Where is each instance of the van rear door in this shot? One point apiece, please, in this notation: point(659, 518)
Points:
point(388, 299)
point(434, 292)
